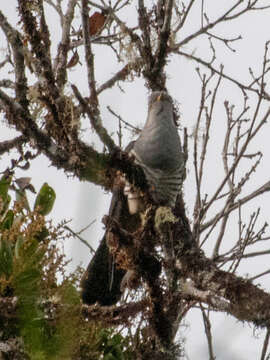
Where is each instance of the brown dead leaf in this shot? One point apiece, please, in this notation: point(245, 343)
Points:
point(73, 60)
point(96, 22)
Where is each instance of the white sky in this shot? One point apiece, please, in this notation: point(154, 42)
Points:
point(85, 202)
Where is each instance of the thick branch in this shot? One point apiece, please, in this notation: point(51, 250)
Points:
point(38, 47)
point(163, 38)
point(40, 42)
point(115, 315)
point(146, 34)
point(61, 59)
point(15, 41)
point(85, 162)
point(224, 291)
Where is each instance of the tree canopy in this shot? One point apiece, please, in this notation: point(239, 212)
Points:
point(53, 92)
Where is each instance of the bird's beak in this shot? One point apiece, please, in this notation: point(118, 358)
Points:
point(159, 97)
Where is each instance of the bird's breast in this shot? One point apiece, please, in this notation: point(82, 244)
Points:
point(159, 148)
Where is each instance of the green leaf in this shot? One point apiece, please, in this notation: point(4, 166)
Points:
point(109, 357)
point(45, 199)
point(8, 220)
point(42, 235)
point(4, 187)
point(18, 246)
point(22, 198)
point(6, 258)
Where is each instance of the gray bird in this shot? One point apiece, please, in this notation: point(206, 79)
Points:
point(158, 151)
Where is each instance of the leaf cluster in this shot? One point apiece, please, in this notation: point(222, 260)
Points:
point(40, 310)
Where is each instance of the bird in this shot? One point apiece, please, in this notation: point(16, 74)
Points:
point(159, 153)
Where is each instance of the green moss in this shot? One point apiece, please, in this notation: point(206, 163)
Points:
point(164, 216)
point(95, 170)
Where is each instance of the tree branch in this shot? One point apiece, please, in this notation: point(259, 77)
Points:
point(85, 162)
point(63, 48)
point(225, 291)
point(97, 125)
point(93, 109)
point(6, 146)
point(261, 190)
point(121, 74)
point(14, 39)
point(203, 30)
point(115, 315)
point(221, 73)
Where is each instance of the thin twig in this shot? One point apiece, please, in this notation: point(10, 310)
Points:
point(203, 30)
point(134, 128)
point(96, 124)
point(242, 86)
point(209, 337)
point(265, 344)
point(80, 238)
point(260, 275)
point(261, 190)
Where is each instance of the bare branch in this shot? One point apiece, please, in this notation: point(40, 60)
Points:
point(207, 329)
point(128, 125)
point(115, 315)
point(243, 149)
point(80, 238)
point(261, 190)
point(260, 275)
point(14, 39)
point(63, 47)
point(209, 26)
point(93, 109)
point(185, 16)
point(6, 146)
point(265, 344)
point(232, 294)
point(199, 169)
point(242, 86)
point(121, 75)
point(227, 42)
point(85, 162)
point(198, 201)
point(96, 124)
point(89, 57)
point(58, 9)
